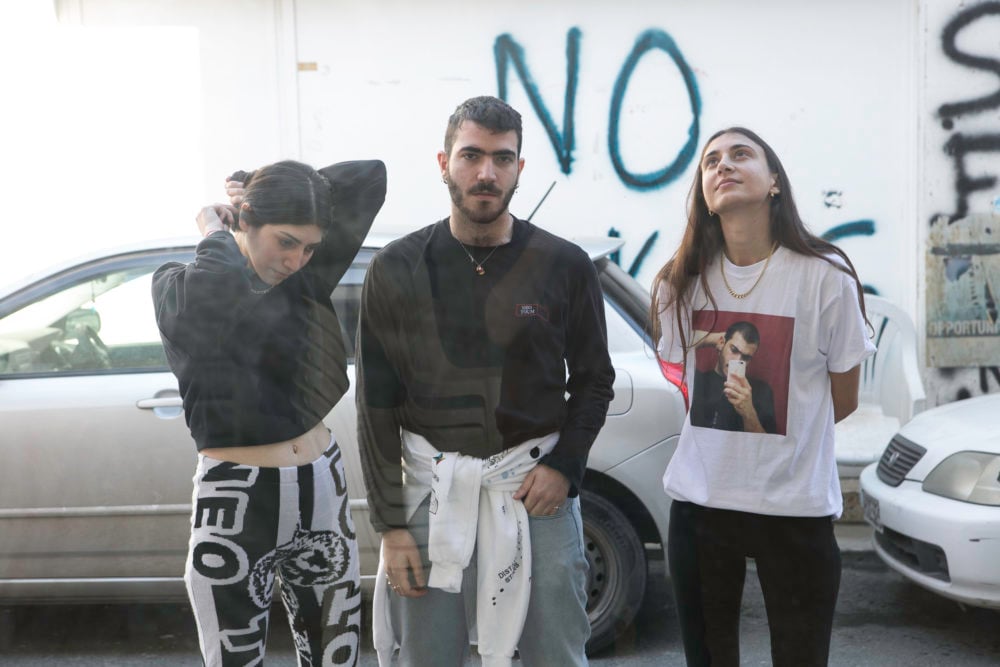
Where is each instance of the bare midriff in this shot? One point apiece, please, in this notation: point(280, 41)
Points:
point(300, 450)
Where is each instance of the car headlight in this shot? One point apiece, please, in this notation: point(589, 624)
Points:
point(972, 477)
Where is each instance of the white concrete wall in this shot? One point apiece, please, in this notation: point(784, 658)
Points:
point(246, 113)
point(832, 91)
point(847, 92)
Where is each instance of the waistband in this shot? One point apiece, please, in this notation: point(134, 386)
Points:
point(209, 468)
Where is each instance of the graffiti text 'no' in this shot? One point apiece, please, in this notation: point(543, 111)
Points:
point(508, 52)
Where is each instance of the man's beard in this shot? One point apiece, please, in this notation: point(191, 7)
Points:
point(483, 214)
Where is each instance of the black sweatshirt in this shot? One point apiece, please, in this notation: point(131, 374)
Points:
point(478, 363)
point(256, 369)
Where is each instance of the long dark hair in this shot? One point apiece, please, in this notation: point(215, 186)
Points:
point(703, 242)
point(286, 193)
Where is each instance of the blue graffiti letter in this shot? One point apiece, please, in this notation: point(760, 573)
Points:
point(506, 49)
point(649, 40)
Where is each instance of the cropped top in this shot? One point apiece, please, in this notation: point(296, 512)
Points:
point(259, 368)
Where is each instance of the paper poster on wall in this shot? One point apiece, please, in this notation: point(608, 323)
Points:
point(963, 291)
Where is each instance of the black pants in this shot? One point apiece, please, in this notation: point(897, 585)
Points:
point(798, 564)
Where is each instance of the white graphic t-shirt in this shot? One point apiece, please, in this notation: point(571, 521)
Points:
point(773, 452)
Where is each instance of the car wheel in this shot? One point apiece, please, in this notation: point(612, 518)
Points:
point(616, 579)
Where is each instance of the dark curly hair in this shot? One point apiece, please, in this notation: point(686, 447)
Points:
point(491, 112)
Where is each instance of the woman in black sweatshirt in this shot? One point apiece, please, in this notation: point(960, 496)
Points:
point(251, 333)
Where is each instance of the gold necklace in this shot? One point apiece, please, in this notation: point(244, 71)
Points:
point(479, 265)
point(743, 295)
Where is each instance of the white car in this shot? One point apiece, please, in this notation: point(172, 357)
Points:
point(934, 501)
point(96, 460)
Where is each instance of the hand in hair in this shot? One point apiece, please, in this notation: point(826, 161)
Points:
point(234, 190)
point(216, 218)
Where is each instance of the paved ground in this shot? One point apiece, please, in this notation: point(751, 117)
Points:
point(882, 620)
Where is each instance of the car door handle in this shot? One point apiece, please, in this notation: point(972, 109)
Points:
point(166, 402)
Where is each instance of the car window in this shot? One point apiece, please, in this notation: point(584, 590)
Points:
point(98, 324)
point(626, 296)
point(347, 298)
point(622, 335)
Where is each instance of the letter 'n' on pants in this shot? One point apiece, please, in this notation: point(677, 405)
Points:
point(250, 524)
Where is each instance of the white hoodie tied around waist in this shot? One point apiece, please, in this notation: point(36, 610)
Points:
point(470, 497)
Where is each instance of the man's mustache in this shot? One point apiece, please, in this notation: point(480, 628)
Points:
point(485, 188)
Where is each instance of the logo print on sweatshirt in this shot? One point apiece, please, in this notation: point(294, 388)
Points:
point(438, 458)
point(531, 310)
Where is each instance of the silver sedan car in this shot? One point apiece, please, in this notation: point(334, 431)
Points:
point(96, 460)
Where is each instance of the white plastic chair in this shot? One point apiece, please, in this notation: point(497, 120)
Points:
point(891, 391)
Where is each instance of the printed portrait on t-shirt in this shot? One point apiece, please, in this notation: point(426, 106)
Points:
point(742, 362)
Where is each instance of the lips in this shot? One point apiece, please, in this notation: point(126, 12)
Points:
point(728, 181)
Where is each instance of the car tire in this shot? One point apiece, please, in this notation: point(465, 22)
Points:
point(616, 580)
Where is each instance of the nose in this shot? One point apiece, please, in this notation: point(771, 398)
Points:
point(724, 165)
point(296, 260)
point(486, 171)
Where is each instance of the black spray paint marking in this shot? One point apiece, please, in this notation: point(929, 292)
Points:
point(958, 147)
point(948, 44)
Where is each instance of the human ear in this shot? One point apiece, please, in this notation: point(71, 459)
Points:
point(241, 224)
point(442, 159)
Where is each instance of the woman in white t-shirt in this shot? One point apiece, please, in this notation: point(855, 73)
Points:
point(767, 322)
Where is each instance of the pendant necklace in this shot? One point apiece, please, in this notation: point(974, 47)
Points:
point(479, 265)
point(743, 295)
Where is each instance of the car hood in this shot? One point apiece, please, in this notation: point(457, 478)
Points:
point(968, 425)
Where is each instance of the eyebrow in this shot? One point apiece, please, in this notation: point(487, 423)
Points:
point(292, 237)
point(733, 147)
point(480, 151)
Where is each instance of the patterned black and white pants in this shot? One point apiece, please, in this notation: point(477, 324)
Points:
point(250, 524)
